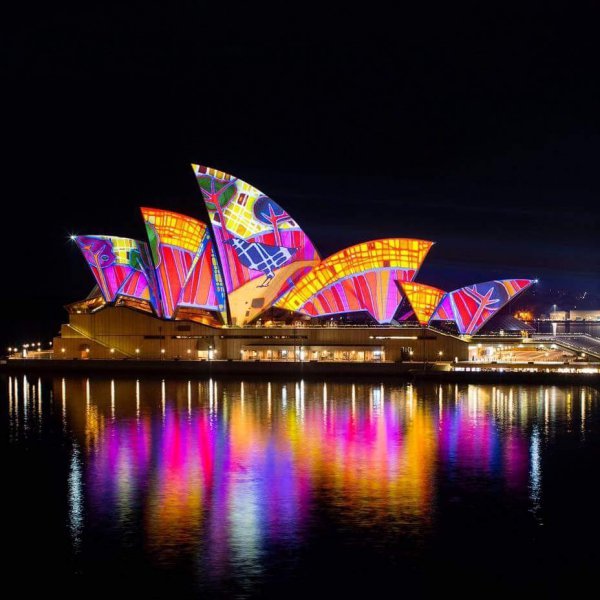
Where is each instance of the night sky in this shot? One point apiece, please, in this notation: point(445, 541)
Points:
point(478, 130)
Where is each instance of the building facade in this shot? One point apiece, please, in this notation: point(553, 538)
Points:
point(124, 333)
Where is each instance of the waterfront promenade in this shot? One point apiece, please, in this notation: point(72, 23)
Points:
point(583, 373)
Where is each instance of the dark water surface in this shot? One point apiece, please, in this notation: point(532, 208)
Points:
point(152, 488)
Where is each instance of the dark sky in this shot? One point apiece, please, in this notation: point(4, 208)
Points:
point(477, 129)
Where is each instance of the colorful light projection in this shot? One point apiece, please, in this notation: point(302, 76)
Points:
point(360, 277)
point(473, 306)
point(185, 261)
point(262, 250)
point(424, 299)
point(121, 267)
point(261, 258)
point(373, 291)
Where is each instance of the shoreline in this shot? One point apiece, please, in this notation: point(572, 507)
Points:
point(309, 370)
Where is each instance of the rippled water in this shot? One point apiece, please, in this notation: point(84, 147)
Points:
point(247, 489)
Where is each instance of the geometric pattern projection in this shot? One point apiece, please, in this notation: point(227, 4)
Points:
point(472, 306)
point(323, 289)
point(186, 266)
point(259, 257)
point(424, 299)
point(204, 286)
point(374, 291)
point(121, 267)
point(262, 250)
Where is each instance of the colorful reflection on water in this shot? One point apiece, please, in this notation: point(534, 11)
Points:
point(223, 473)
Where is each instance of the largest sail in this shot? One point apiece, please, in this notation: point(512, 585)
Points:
point(262, 249)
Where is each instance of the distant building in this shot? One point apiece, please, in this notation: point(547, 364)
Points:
point(575, 315)
point(559, 315)
point(585, 315)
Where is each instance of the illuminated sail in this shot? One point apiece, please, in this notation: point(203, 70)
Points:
point(424, 299)
point(262, 250)
point(472, 306)
point(121, 267)
point(361, 277)
point(185, 262)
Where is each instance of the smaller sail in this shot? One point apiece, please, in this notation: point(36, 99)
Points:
point(121, 267)
point(472, 306)
point(424, 299)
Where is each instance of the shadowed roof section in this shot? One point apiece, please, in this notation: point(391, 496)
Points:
point(506, 322)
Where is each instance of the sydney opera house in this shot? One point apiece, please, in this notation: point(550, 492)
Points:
point(250, 285)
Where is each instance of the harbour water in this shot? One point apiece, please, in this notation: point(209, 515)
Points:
point(187, 488)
